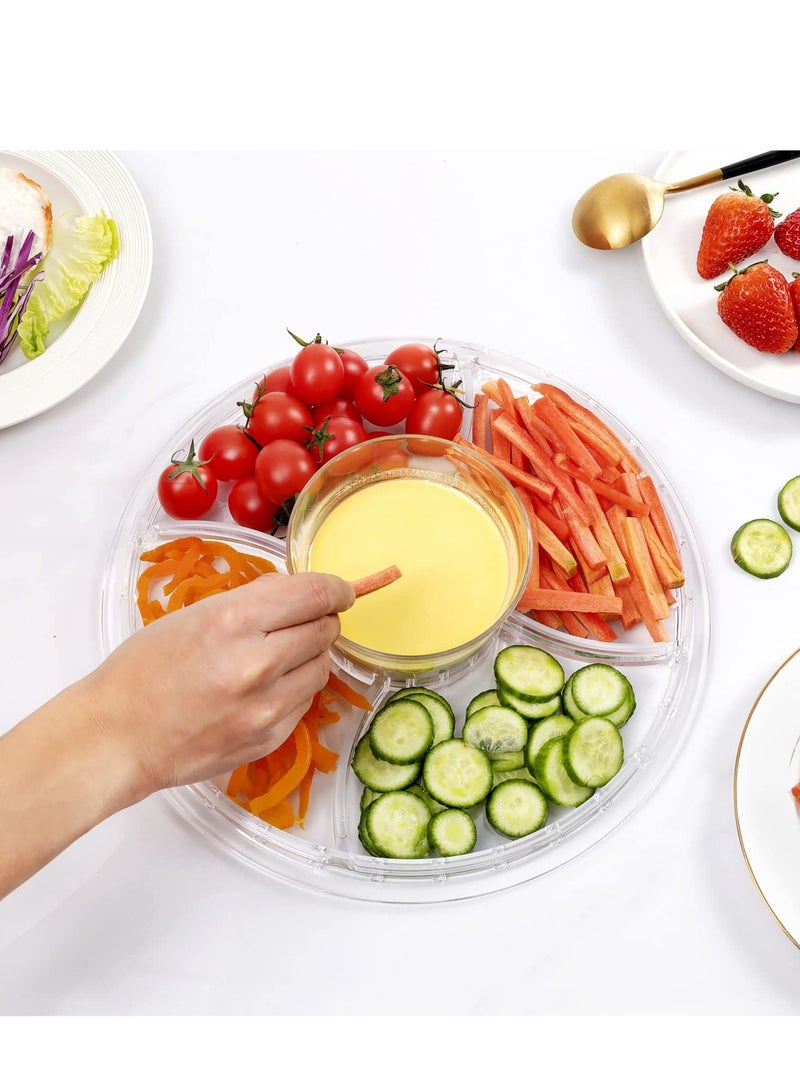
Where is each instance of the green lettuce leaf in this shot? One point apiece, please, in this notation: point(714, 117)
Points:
point(82, 246)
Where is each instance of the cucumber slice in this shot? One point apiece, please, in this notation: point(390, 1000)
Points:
point(789, 503)
point(593, 752)
point(363, 835)
point(527, 673)
point(401, 732)
point(439, 710)
point(456, 774)
point(553, 778)
point(531, 710)
point(482, 700)
point(568, 701)
point(421, 691)
point(501, 775)
point(516, 808)
point(502, 763)
point(598, 689)
point(496, 730)
point(367, 797)
point(381, 776)
point(452, 832)
point(622, 714)
point(554, 727)
point(397, 825)
point(429, 801)
point(762, 547)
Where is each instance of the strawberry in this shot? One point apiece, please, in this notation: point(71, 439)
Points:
point(737, 225)
point(794, 292)
point(755, 303)
point(787, 235)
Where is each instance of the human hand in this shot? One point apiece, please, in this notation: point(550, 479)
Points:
point(220, 682)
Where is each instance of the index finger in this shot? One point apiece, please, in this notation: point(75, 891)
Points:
point(279, 602)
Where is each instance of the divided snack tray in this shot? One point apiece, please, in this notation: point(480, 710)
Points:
point(326, 855)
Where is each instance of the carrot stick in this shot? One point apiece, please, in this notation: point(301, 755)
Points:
point(480, 418)
point(545, 467)
point(548, 617)
point(617, 569)
point(533, 577)
point(500, 444)
point(367, 584)
point(538, 487)
point(573, 601)
point(669, 574)
point(589, 425)
point(499, 391)
point(536, 429)
point(659, 518)
point(568, 437)
point(554, 547)
point(558, 526)
point(602, 488)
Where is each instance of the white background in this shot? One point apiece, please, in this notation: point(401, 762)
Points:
point(142, 916)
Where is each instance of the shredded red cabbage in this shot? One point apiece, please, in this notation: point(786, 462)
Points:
point(14, 295)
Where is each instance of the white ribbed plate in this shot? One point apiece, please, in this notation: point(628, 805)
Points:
point(89, 181)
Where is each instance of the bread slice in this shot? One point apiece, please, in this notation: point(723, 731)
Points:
point(24, 207)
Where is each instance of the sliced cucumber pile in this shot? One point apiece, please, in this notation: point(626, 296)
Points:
point(534, 741)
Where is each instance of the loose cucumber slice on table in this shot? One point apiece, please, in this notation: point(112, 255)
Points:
point(496, 730)
point(762, 547)
point(516, 808)
point(381, 776)
point(553, 778)
point(452, 832)
point(456, 774)
point(528, 673)
point(397, 825)
point(593, 752)
point(789, 503)
point(401, 732)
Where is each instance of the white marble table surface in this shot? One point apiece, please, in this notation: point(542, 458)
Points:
point(143, 915)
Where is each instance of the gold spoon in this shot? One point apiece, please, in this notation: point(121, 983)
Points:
point(623, 208)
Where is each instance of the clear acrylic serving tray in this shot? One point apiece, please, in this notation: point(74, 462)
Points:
point(326, 855)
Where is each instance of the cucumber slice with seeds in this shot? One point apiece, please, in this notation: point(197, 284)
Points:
point(553, 778)
point(452, 832)
point(598, 689)
point(593, 752)
point(531, 710)
point(444, 721)
point(397, 825)
point(516, 808)
point(762, 548)
point(482, 700)
point(381, 776)
point(456, 774)
point(401, 732)
point(554, 727)
point(528, 673)
point(496, 730)
point(789, 503)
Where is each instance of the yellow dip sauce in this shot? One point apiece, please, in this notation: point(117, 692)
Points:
point(450, 551)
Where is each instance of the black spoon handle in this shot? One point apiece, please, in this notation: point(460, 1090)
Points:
point(757, 162)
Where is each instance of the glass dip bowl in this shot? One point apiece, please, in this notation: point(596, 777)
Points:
point(437, 543)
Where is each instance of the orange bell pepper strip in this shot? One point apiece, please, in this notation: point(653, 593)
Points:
point(350, 695)
point(291, 779)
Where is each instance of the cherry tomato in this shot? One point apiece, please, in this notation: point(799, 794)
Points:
point(283, 467)
point(337, 407)
point(277, 379)
point(317, 373)
point(277, 415)
point(354, 367)
point(419, 364)
point(435, 413)
point(384, 395)
point(230, 452)
point(337, 435)
point(187, 488)
point(248, 507)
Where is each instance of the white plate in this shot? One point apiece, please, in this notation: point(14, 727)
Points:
point(670, 254)
point(90, 181)
point(767, 817)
